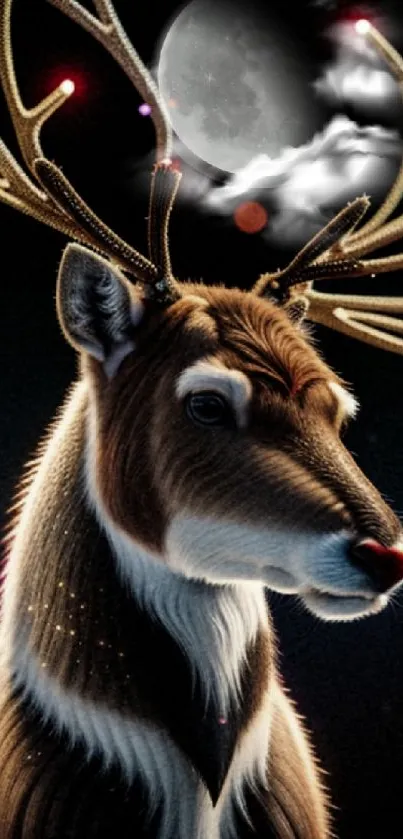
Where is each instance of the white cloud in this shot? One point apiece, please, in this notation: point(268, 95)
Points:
point(303, 187)
point(356, 75)
point(348, 81)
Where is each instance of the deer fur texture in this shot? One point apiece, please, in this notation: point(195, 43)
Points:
point(140, 694)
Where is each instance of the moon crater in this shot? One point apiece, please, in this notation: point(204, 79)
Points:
point(234, 84)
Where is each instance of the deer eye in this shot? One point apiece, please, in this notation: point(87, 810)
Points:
point(209, 409)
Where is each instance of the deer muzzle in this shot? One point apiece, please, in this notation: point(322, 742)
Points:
point(376, 546)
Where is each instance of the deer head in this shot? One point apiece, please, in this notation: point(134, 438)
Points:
point(214, 425)
point(215, 441)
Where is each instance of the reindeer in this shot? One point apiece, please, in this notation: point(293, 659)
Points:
point(196, 460)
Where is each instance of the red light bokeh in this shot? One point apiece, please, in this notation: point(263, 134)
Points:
point(355, 14)
point(250, 217)
point(61, 74)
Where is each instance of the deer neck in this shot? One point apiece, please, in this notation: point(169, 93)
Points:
point(149, 645)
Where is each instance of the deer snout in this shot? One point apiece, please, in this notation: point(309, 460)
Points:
point(369, 514)
point(383, 565)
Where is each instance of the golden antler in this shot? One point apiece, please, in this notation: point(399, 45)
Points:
point(110, 33)
point(49, 197)
point(336, 251)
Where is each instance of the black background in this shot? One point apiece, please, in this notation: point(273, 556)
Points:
point(346, 678)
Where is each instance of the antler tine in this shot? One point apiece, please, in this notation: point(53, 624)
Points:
point(108, 30)
point(110, 33)
point(164, 186)
point(375, 233)
point(18, 191)
point(393, 198)
point(336, 251)
point(304, 265)
point(58, 204)
point(27, 122)
point(352, 315)
point(16, 188)
point(88, 223)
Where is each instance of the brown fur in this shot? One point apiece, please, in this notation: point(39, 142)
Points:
point(150, 464)
point(291, 437)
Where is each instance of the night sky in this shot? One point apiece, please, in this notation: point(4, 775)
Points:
point(347, 679)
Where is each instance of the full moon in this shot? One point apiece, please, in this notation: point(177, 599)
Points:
point(234, 84)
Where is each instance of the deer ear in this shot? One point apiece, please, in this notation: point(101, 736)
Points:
point(296, 309)
point(96, 311)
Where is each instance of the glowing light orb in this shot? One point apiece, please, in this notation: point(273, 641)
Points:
point(250, 217)
point(67, 87)
point(171, 163)
point(362, 26)
point(145, 109)
point(68, 80)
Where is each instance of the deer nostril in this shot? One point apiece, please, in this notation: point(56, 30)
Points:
point(383, 565)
